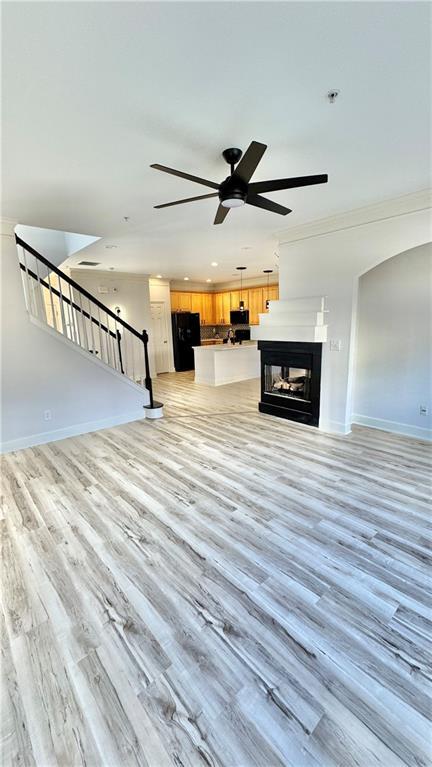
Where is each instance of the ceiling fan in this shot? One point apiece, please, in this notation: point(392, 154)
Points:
point(237, 190)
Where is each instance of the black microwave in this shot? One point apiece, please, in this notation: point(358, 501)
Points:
point(239, 317)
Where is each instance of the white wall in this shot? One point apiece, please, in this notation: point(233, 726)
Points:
point(55, 245)
point(41, 371)
point(132, 295)
point(394, 344)
point(327, 258)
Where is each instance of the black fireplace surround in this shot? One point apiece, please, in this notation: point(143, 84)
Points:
point(290, 380)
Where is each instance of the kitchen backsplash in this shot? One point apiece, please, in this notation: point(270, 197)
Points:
point(221, 330)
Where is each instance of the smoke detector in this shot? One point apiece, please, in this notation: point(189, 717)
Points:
point(332, 95)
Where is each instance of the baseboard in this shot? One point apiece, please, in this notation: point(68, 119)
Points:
point(335, 427)
point(69, 431)
point(395, 427)
point(211, 382)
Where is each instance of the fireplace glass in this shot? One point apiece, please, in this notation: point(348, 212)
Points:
point(287, 382)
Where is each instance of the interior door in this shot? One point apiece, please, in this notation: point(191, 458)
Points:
point(160, 336)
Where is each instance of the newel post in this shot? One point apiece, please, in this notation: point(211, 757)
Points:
point(148, 381)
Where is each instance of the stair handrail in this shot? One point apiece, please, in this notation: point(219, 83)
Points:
point(76, 286)
point(68, 301)
point(143, 336)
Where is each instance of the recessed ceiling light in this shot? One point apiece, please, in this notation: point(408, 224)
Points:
point(159, 276)
point(214, 263)
point(185, 278)
point(209, 280)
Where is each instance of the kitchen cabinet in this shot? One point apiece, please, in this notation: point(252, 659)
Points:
point(202, 303)
point(222, 308)
point(215, 308)
point(180, 301)
point(174, 296)
point(208, 313)
point(197, 304)
point(237, 296)
point(256, 305)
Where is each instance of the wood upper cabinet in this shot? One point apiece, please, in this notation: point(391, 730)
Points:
point(180, 301)
point(202, 303)
point(197, 304)
point(222, 308)
point(218, 308)
point(174, 300)
point(215, 308)
point(237, 296)
point(208, 309)
point(185, 302)
point(256, 305)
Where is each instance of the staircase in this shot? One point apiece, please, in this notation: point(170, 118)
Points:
point(56, 301)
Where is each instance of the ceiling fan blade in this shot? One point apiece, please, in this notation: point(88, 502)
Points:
point(287, 183)
point(249, 161)
point(187, 176)
point(262, 202)
point(188, 199)
point(221, 214)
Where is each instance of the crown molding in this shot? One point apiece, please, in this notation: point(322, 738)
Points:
point(380, 211)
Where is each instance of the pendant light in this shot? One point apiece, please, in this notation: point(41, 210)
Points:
point(241, 270)
point(268, 272)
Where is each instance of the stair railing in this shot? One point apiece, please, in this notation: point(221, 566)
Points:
point(56, 300)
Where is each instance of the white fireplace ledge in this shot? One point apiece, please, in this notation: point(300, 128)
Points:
point(292, 319)
point(289, 333)
point(287, 305)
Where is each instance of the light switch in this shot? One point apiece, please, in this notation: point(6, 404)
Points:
point(335, 346)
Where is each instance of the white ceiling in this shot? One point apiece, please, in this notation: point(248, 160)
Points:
point(95, 92)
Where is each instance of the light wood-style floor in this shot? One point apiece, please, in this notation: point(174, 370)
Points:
point(218, 588)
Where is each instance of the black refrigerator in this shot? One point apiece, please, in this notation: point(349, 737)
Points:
point(186, 334)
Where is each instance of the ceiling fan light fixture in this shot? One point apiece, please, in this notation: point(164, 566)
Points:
point(233, 202)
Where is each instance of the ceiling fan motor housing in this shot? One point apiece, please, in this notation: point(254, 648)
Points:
point(233, 189)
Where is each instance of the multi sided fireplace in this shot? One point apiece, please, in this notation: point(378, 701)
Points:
point(290, 380)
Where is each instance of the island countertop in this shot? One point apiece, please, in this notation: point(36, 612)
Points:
point(226, 363)
point(227, 347)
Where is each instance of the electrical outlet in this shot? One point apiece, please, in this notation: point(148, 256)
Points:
point(47, 415)
point(335, 346)
point(423, 410)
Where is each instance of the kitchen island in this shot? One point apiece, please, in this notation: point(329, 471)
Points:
point(226, 363)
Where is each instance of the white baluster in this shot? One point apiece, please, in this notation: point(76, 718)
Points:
point(101, 353)
point(30, 293)
point(54, 318)
point(62, 312)
point(83, 325)
point(90, 309)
